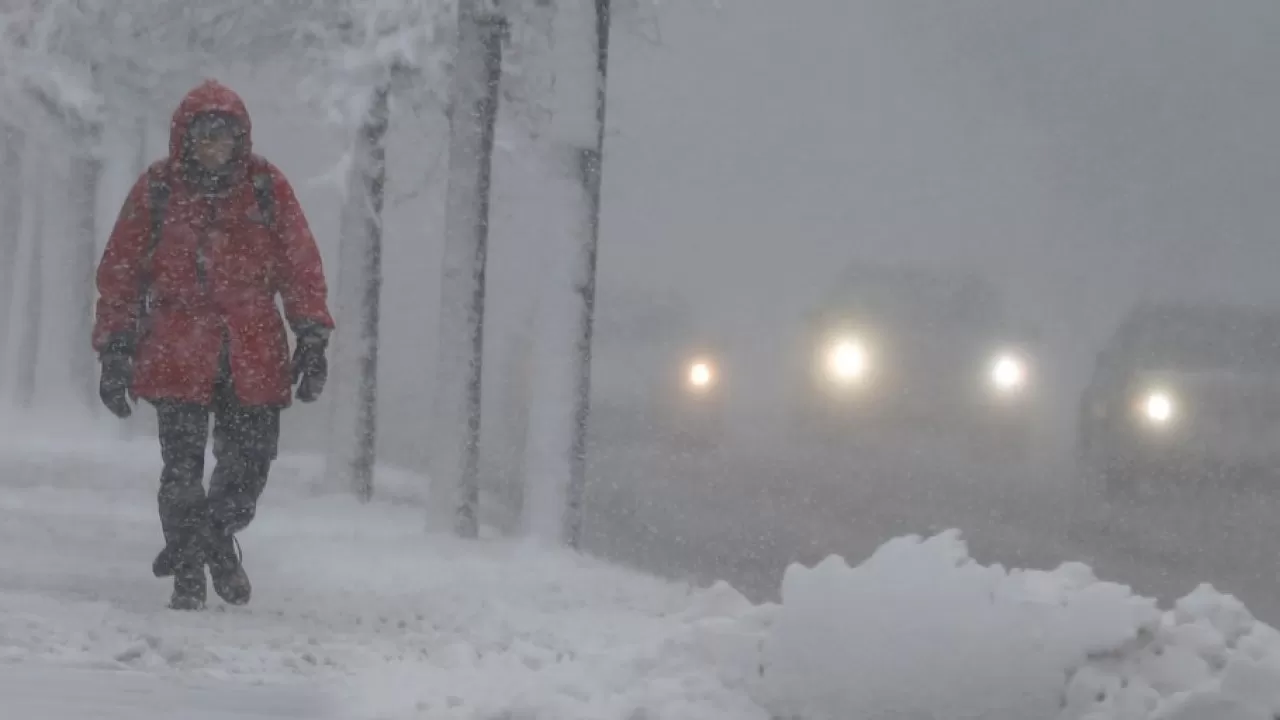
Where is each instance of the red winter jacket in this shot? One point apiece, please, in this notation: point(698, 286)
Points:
point(246, 265)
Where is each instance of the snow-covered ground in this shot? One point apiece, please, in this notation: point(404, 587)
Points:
point(367, 611)
point(389, 617)
point(922, 630)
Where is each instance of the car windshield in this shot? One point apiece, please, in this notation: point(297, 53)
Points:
point(1211, 341)
point(917, 300)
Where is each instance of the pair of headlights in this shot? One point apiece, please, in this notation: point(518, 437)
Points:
point(848, 362)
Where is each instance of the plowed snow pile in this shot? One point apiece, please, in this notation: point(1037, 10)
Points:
point(920, 630)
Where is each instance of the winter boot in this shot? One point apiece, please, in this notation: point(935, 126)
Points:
point(226, 567)
point(189, 587)
point(165, 562)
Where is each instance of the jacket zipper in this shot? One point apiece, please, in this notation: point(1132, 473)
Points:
point(202, 271)
point(202, 247)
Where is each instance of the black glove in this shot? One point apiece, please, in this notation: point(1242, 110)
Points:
point(310, 367)
point(117, 376)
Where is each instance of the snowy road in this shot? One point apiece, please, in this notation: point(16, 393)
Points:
point(746, 514)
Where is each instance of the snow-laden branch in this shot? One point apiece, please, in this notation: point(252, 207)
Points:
point(535, 48)
point(408, 41)
point(404, 45)
point(74, 53)
point(65, 54)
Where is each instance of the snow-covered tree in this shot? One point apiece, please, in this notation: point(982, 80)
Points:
point(352, 450)
point(591, 74)
point(33, 303)
point(10, 221)
point(553, 91)
point(477, 73)
point(570, 147)
point(381, 51)
point(78, 115)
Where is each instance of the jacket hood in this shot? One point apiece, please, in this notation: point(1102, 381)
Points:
point(208, 96)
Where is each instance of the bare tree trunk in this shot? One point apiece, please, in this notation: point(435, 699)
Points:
point(353, 422)
point(477, 72)
point(86, 175)
point(29, 348)
point(10, 223)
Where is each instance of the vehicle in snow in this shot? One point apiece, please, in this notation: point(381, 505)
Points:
point(1183, 392)
point(900, 354)
point(655, 374)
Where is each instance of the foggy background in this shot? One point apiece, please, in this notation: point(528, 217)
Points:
point(1080, 155)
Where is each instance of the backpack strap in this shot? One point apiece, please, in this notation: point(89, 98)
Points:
point(158, 205)
point(158, 192)
point(264, 192)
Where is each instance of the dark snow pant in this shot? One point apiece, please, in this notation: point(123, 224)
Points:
point(245, 440)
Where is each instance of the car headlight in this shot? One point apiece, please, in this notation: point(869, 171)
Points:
point(701, 375)
point(1158, 408)
point(1008, 373)
point(847, 361)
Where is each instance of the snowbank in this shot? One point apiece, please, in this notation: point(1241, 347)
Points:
point(921, 630)
point(1207, 659)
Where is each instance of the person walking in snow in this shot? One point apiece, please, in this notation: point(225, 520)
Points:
point(187, 320)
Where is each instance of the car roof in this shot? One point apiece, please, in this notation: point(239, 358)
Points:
point(1196, 323)
point(917, 281)
point(961, 298)
point(1172, 313)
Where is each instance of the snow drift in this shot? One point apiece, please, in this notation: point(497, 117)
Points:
point(1208, 658)
point(922, 630)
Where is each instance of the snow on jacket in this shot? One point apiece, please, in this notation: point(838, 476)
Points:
point(214, 275)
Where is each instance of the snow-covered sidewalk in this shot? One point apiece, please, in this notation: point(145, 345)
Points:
point(362, 612)
point(388, 617)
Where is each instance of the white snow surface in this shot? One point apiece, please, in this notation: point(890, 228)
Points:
point(363, 602)
point(372, 613)
point(921, 630)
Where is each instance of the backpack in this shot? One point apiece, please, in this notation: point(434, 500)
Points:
point(158, 191)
